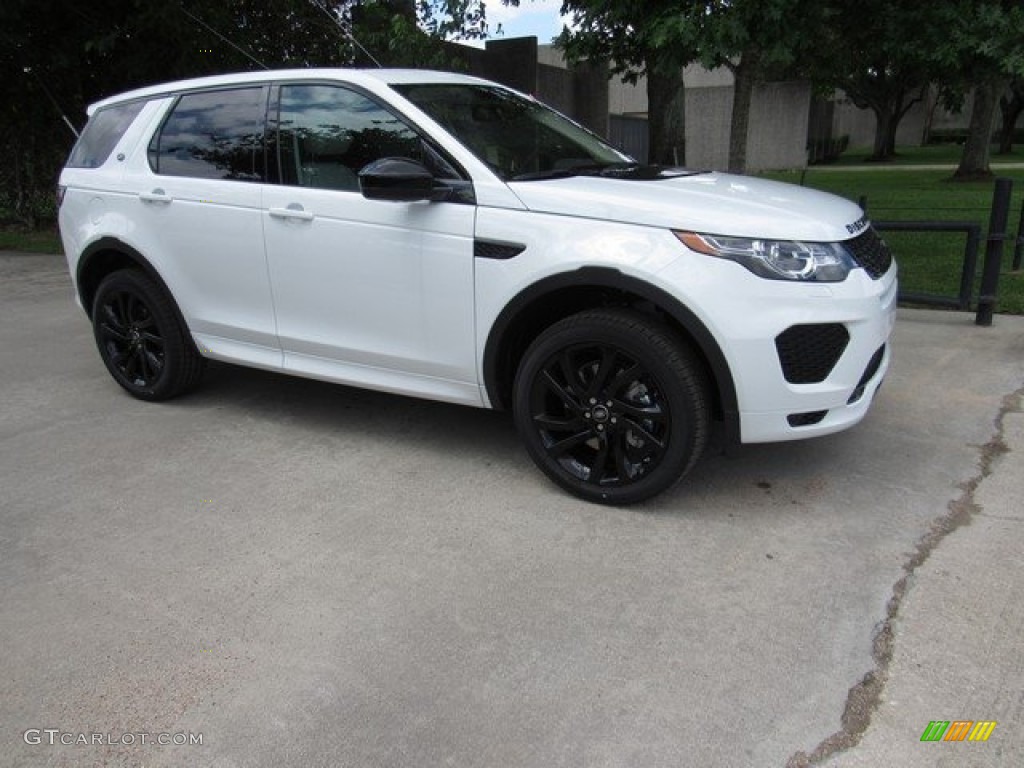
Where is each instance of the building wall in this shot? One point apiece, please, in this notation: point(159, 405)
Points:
point(777, 138)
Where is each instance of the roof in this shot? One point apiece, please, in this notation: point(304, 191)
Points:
point(367, 77)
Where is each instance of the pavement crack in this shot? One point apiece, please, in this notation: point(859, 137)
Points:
point(864, 697)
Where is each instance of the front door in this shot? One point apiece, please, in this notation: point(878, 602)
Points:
point(366, 292)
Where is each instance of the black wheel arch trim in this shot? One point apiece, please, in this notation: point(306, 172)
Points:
point(605, 277)
point(113, 245)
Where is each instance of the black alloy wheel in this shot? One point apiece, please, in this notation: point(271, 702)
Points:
point(612, 406)
point(140, 338)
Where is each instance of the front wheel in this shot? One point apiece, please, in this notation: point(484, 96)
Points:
point(612, 406)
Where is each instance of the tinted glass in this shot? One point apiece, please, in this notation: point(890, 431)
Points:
point(517, 137)
point(327, 134)
point(104, 129)
point(213, 135)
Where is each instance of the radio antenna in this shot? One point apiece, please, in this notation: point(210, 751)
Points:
point(345, 30)
point(30, 71)
point(207, 27)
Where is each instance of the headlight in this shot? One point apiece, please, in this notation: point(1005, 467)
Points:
point(776, 259)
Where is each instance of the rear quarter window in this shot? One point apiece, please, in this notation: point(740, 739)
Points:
point(213, 135)
point(104, 129)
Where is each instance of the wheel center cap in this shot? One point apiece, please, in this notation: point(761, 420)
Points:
point(600, 414)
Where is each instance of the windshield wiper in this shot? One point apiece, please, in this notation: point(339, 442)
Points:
point(583, 169)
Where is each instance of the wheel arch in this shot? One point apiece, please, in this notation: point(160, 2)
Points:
point(107, 255)
point(553, 298)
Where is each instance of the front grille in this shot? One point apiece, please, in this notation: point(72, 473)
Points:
point(870, 252)
point(869, 374)
point(808, 353)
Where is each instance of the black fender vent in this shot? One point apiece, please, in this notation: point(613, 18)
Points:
point(492, 249)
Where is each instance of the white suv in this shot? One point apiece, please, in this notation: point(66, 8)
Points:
point(442, 236)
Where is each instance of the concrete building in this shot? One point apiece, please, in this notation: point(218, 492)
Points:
point(618, 110)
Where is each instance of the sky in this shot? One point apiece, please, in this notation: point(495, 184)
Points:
point(532, 17)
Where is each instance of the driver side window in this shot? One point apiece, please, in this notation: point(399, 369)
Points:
point(326, 134)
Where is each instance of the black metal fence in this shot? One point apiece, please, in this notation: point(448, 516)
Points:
point(995, 241)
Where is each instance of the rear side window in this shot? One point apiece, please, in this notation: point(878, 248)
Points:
point(104, 129)
point(213, 135)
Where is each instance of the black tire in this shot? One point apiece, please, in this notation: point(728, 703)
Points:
point(612, 405)
point(142, 342)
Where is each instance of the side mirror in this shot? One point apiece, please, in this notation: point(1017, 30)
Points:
point(400, 180)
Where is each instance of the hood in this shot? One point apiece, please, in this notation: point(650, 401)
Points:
point(711, 203)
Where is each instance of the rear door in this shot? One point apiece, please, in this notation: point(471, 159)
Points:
point(199, 192)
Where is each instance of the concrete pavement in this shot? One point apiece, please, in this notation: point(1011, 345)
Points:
point(311, 575)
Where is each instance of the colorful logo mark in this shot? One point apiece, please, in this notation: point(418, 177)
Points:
point(958, 730)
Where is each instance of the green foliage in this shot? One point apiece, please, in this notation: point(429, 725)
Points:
point(61, 55)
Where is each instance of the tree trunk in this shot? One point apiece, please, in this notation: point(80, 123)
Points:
point(974, 161)
point(1010, 106)
point(745, 76)
point(666, 100)
point(886, 123)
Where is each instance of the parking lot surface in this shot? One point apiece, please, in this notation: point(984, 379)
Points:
point(310, 575)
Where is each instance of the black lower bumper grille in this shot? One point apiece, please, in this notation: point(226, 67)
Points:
point(808, 353)
point(869, 373)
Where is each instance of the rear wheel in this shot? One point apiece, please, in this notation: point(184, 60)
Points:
point(140, 338)
point(611, 405)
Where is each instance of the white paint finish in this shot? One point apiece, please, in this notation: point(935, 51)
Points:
point(714, 203)
point(374, 284)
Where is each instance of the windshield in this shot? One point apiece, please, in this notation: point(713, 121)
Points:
point(519, 138)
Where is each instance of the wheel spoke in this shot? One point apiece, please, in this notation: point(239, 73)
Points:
point(564, 395)
point(145, 372)
point(555, 424)
point(113, 333)
point(567, 444)
point(114, 320)
point(130, 366)
point(568, 373)
point(152, 338)
point(597, 384)
point(651, 443)
point(621, 462)
point(623, 377)
point(154, 363)
point(597, 469)
point(651, 413)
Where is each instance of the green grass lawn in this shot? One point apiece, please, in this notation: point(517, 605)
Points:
point(933, 154)
point(30, 241)
point(929, 262)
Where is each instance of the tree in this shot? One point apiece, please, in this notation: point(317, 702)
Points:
point(652, 38)
point(61, 55)
point(756, 39)
point(986, 49)
point(1011, 104)
point(881, 55)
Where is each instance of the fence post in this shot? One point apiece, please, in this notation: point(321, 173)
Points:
point(994, 251)
point(1018, 249)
